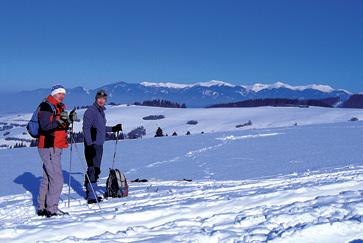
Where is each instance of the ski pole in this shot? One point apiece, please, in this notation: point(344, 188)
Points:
point(114, 154)
point(70, 166)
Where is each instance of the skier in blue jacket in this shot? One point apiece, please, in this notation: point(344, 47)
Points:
point(94, 130)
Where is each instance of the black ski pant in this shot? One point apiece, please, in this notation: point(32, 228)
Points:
point(93, 154)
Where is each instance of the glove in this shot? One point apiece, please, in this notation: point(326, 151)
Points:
point(117, 128)
point(73, 116)
point(64, 116)
point(63, 121)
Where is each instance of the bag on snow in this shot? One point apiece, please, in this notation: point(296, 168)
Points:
point(33, 124)
point(116, 184)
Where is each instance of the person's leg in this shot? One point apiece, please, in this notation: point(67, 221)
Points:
point(93, 157)
point(97, 161)
point(90, 155)
point(54, 170)
point(43, 189)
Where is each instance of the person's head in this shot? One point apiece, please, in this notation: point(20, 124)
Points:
point(58, 92)
point(101, 98)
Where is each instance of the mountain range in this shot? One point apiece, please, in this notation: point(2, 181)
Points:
point(201, 94)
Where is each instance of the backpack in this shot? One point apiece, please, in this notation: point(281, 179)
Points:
point(116, 184)
point(33, 125)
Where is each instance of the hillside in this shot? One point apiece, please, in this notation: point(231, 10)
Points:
point(208, 120)
point(355, 101)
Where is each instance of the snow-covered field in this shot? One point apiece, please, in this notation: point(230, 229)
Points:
point(209, 120)
point(324, 206)
point(283, 184)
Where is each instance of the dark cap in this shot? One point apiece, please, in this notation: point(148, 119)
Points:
point(101, 94)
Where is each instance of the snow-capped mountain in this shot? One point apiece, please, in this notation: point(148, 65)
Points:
point(258, 87)
point(253, 88)
point(200, 94)
point(181, 86)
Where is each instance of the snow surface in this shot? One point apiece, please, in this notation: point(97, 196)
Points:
point(289, 184)
point(310, 207)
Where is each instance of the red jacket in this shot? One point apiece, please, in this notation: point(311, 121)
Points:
point(51, 134)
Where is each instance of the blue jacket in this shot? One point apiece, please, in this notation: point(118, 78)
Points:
point(94, 125)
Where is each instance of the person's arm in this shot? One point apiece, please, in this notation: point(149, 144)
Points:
point(46, 123)
point(87, 125)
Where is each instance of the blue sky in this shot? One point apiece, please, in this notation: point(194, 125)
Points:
point(91, 43)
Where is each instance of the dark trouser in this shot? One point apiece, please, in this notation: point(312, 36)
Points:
point(93, 156)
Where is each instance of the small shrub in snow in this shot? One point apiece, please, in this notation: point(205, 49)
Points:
point(160, 103)
point(249, 123)
point(113, 104)
point(19, 145)
point(17, 139)
point(192, 122)
point(153, 117)
point(137, 133)
point(17, 125)
point(6, 127)
point(159, 132)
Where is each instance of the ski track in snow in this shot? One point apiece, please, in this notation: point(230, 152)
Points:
point(232, 137)
point(321, 205)
point(195, 153)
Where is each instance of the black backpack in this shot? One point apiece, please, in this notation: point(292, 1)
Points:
point(116, 184)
